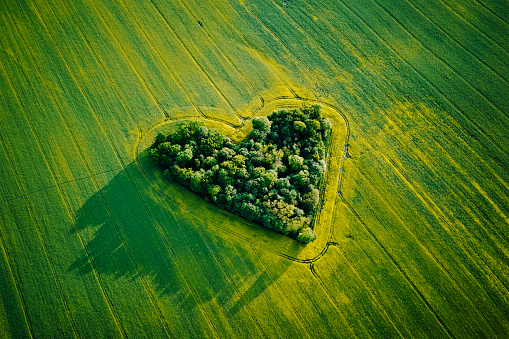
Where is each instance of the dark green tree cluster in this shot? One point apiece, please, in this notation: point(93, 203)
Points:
point(270, 178)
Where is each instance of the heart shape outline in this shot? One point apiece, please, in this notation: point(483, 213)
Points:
point(235, 225)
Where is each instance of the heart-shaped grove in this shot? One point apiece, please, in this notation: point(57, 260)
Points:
point(260, 171)
point(271, 177)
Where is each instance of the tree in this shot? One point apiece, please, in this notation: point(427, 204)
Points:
point(250, 211)
point(295, 162)
point(268, 179)
point(310, 200)
point(299, 126)
point(326, 128)
point(184, 156)
point(160, 138)
point(225, 154)
point(306, 235)
point(261, 123)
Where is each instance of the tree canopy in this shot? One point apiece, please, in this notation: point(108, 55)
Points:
point(271, 177)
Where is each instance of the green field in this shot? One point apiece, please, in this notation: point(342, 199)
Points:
point(413, 233)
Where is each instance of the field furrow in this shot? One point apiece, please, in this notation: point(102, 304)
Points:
point(83, 294)
point(432, 280)
point(468, 99)
point(212, 61)
point(258, 291)
point(475, 265)
point(413, 237)
point(108, 254)
point(19, 142)
point(13, 320)
point(177, 60)
point(443, 153)
point(35, 274)
point(482, 19)
point(184, 244)
point(463, 35)
point(392, 287)
point(9, 187)
point(497, 8)
point(246, 59)
point(309, 297)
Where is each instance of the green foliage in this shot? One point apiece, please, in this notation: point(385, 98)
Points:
point(261, 123)
point(299, 126)
point(310, 200)
point(295, 162)
point(307, 235)
point(270, 178)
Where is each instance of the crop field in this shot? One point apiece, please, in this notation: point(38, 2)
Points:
point(413, 230)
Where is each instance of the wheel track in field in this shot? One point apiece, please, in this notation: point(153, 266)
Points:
point(422, 76)
point(398, 267)
point(333, 300)
point(479, 211)
point(497, 230)
point(341, 196)
point(491, 11)
point(65, 182)
point(319, 82)
point(489, 269)
point(170, 252)
point(467, 156)
point(476, 57)
point(276, 38)
point(284, 82)
point(177, 36)
point(181, 206)
point(381, 310)
point(447, 65)
point(458, 166)
point(471, 24)
point(63, 196)
point(438, 127)
point(29, 205)
point(248, 43)
point(230, 61)
point(281, 290)
point(17, 283)
point(438, 143)
point(167, 67)
point(323, 252)
point(433, 256)
point(221, 265)
point(201, 235)
point(110, 214)
point(126, 57)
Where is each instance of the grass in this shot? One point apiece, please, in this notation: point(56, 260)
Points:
point(412, 240)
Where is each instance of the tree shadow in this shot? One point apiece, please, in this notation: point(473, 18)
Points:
point(133, 228)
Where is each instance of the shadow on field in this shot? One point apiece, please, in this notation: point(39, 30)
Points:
point(131, 231)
